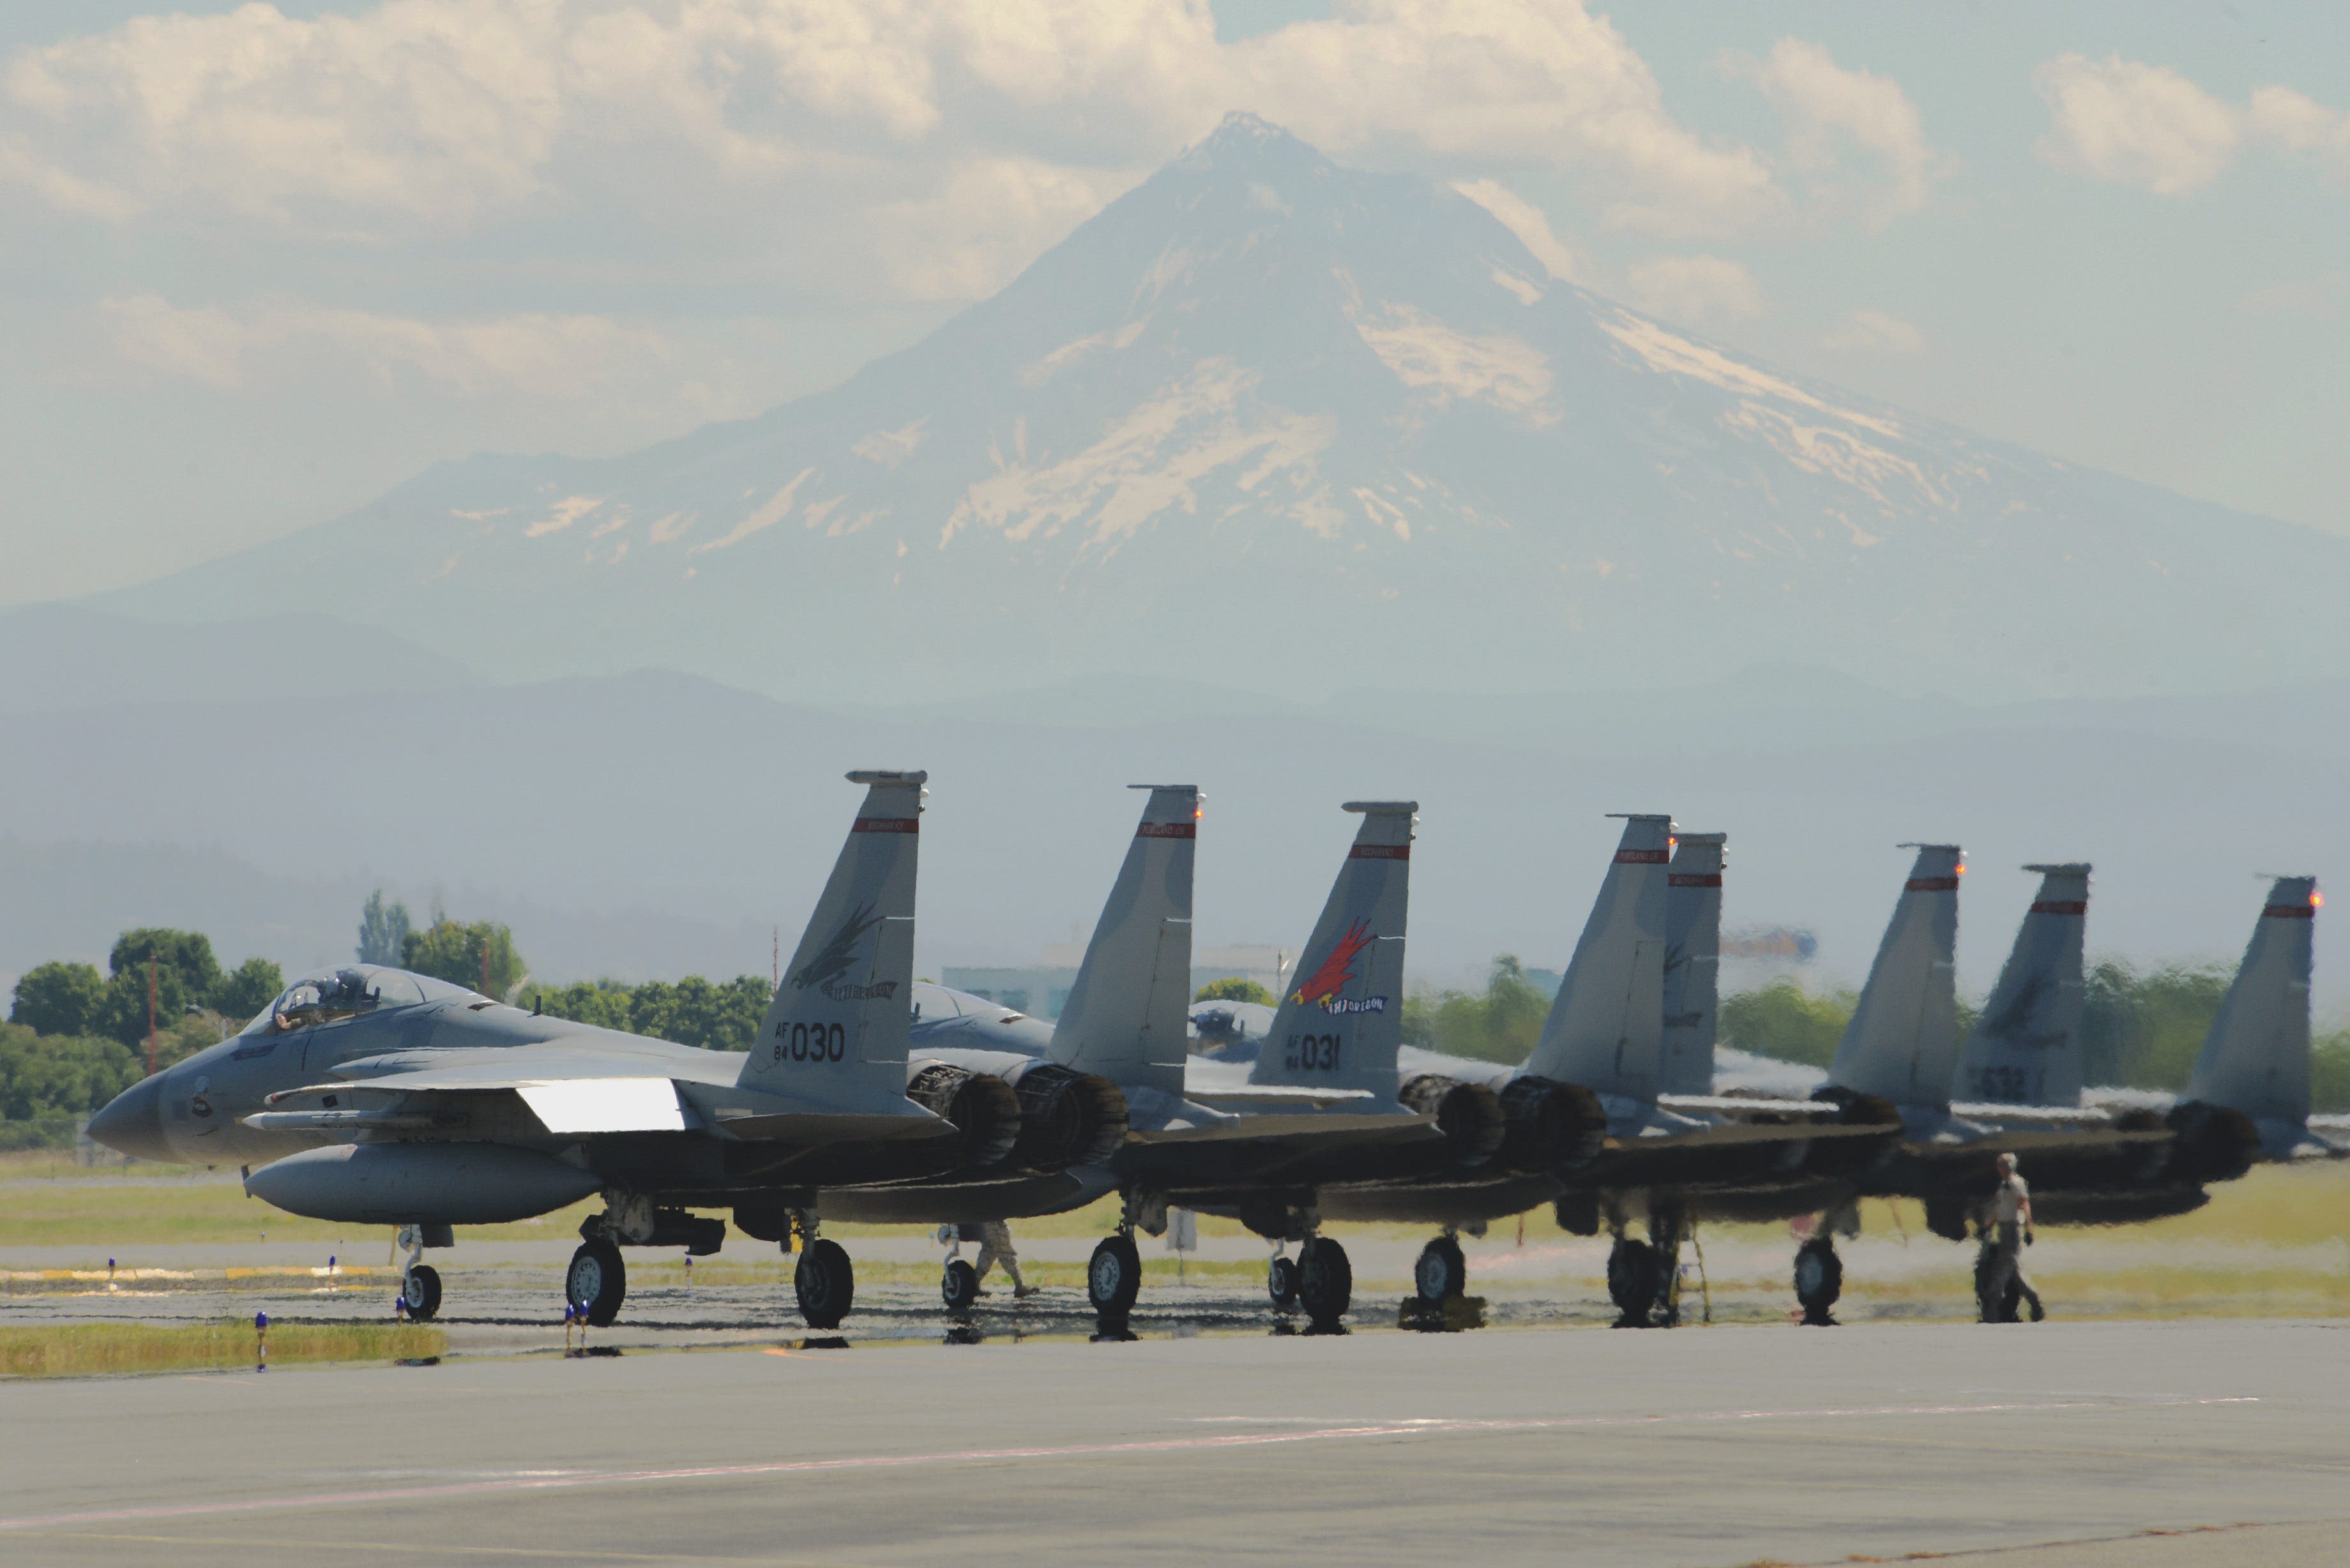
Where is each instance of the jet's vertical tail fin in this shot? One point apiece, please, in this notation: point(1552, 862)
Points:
point(1692, 961)
point(1341, 1024)
point(2255, 1060)
point(1902, 1042)
point(1606, 1027)
point(2025, 1050)
point(838, 1029)
point(1125, 1014)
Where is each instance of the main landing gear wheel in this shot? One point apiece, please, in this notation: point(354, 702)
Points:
point(1325, 1281)
point(826, 1283)
point(959, 1286)
point(1114, 1278)
point(1632, 1282)
point(1819, 1280)
point(1441, 1272)
point(420, 1293)
point(1281, 1282)
point(598, 1278)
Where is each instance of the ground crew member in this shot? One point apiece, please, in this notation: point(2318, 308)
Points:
point(2011, 1213)
point(995, 1247)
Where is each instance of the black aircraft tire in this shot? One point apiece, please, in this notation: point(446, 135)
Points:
point(1632, 1279)
point(1113, 1276)
point(1441, 1272)
point(1819, 1277)
point(598, 1279)
point(959, 1286)
point(1326, 1280)
point(826, 1283)
point(422, 1292)
point(1281, 1282)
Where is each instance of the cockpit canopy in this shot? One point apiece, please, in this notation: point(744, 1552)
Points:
point(327, 994)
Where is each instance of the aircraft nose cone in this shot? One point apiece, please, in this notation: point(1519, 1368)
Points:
point(132, 1121)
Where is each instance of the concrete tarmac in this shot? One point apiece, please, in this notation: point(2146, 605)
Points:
point(1723, 1445)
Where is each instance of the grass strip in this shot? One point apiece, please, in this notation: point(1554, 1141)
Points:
point(87, 1349)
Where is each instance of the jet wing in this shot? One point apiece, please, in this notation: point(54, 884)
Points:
point(2035, 1115)
point(1746, 1104)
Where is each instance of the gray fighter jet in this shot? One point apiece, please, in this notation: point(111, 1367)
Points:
point(1631, 1148)
point(2087, 1163)
point(371, 1096)
point(1257, 1140)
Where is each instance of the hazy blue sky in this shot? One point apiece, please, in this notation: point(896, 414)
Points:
point(258, 265)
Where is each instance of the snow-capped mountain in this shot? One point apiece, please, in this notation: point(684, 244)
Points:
point(1272, 423)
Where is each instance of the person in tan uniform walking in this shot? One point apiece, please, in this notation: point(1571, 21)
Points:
point(2004, 1240)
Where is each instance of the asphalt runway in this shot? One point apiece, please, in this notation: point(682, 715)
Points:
point(1723, 1445)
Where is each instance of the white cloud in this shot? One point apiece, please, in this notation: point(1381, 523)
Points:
point(1693, 290)
point(1529, 222)
point(942, 140)
point(2149, 125)
point(1828, 107)
point(2295, 122)
point(1873, 331)
point(2134, 124)
point(547, 357)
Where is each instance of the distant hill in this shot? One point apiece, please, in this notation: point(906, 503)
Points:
point(1270, 424)
point(56, 656)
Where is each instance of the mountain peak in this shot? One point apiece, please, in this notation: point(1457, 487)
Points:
point(1246, 143)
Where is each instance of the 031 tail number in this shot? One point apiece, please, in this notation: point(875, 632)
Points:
point(1311, 1054)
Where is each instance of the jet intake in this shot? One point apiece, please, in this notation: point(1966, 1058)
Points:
point(412, 1183)
point(1551, 1126)
point(984, 1110)
point(1469, 1116)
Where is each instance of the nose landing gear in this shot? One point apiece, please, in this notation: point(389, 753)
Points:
point(597, 1280)
point(420, 1283)
point(1441, 1272)
point(1819, 1280)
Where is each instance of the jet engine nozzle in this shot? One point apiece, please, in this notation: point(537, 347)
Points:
point(1468, 1114)
point(1552, 1126)
point(1068, 1117)
point(2210, 1143)
point(984, 1112)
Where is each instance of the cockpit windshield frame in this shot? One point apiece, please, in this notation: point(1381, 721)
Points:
point(347, 991)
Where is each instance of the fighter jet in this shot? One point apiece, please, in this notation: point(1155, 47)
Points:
point(371, 1096)
point(2086, 1162)
point(1256, 1140)
point(1641, 974)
